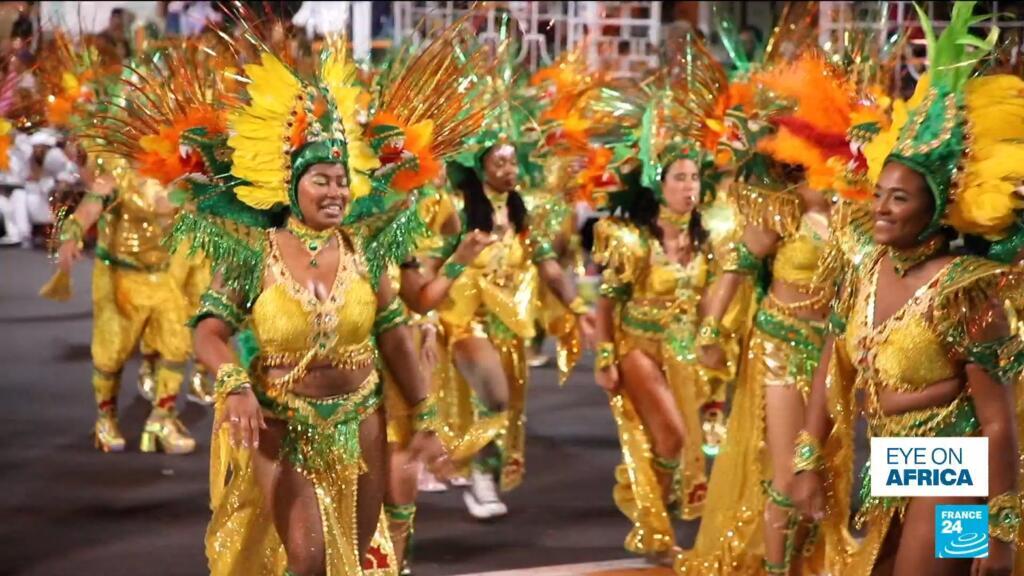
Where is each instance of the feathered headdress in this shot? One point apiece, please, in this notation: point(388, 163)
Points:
point(816, 129)
point(511, 115)
point(676, 113)
point(965, 137)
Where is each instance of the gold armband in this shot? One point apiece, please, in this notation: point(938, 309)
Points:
point(1004, 517)
point(807, 453)
point(425, 417)
point(605, 356)
point(578, 306)
point(231, 379)
point(710, 332)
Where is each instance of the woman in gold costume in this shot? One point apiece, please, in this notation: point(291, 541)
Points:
point(489, 309)
point(655, 268)
point(750, 524)
point(294, 203)
point(655, 258)
point(926, 342)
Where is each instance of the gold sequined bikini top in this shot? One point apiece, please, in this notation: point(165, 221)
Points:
point(796, 259)
point(295, 328)
point(903, 353)
point(665, 278)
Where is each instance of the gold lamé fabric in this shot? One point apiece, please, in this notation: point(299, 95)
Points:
point(128, 304)
point(659, 319)
point(130, 229)
point(290, 322)
point(883, 349)
point(501, 281)
point(241, 539)
point(796, 260)
point(500, 284)
point(731, 536)
point(192, 273)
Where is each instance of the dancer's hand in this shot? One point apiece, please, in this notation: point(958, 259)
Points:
point(809, 495)
point(245, 419)
point(472, 244)
point(588, 326)
point(608, 378)
point(428, 349)
point(68, 253)
point(712, 357)
point(998, 563)
point(426, 447)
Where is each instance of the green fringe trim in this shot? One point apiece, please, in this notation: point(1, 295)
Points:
point(213, 303)
point(804, 341)
point(393, 316)
point(236, 252)
point(390, 231)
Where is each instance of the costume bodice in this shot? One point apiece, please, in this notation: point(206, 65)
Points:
point(291, 323)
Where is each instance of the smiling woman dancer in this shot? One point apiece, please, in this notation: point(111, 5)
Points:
point(293, 207)
point(926, 340)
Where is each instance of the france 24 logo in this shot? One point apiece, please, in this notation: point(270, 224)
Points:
point(961, 531)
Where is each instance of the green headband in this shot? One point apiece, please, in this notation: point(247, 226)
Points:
point(330, 151)
point(932, 143)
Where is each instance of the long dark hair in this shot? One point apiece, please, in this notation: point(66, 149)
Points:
point(643, 213)
point(478, 209)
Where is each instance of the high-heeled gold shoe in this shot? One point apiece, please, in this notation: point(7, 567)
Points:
point(166, 433)
point(199, 390)
point(106, 435)
point(147, 380)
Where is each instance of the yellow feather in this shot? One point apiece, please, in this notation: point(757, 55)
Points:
point(985, 201)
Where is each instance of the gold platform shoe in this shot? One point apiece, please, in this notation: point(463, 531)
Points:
point(147, 380)
point(167, 433)
point(200, 390)
point(106, 435)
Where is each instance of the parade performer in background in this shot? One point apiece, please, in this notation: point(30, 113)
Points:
point(490, 309)
point(133, 293)
point(654, 252)
point(750, 519)
point(927, 343)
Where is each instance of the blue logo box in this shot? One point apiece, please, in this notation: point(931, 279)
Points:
point(961, 531)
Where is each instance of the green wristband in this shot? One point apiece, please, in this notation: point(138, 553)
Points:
point(453, 270)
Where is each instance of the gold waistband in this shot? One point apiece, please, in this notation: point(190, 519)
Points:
point(354, 357)
point(348, 358)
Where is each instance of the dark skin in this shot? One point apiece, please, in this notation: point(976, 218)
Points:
point(903, 208)
point(784, 405)
point(323, 197)
point(638, 374)
point(476, 358)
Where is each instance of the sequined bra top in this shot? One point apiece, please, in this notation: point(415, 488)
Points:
point(295, 328)
point(796, 259)
point(902, 353)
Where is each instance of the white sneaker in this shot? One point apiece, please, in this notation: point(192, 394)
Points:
point(482, 497)
point(429, 483)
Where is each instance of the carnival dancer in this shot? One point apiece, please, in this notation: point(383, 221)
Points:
point(655, 256)
point(290, 199)
point(926, 340)
point(133, 292)
point(750, 520)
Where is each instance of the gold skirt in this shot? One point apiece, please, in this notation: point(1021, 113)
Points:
point(731, 536)
point(637, 493)
point(241, 539)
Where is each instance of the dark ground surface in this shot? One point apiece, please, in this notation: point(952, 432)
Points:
point(67, 509)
